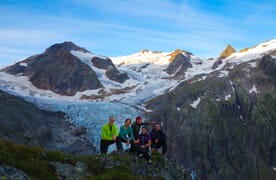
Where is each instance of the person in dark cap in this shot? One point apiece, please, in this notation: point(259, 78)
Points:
point(136, 126)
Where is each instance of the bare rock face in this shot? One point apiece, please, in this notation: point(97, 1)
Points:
point(214, 125)
point(268, 65)
point(179, 65)
point(217, 63)
point(226, 52)
point(102, 63)
point(22, 122)
point(58, 70)
point(111, 71)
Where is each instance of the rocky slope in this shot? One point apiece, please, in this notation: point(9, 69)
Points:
point(22, 122)
point(224, 126)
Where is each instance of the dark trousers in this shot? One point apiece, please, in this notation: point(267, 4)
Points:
point(105, 143)
point(159, 145)
point(144, 152)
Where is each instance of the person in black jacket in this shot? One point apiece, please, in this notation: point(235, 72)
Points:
point(158, 139)
point(136, 126)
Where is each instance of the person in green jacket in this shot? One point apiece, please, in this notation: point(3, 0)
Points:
point(109, 136)
point(126, 133)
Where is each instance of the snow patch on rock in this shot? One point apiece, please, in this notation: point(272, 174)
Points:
point(253, 90)
point(228, 97)
point(195, 103)
point(23, 64)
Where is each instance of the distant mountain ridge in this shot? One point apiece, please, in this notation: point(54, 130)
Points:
point(72, 72)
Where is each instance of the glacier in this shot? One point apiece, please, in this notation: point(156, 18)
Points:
point(92, 115)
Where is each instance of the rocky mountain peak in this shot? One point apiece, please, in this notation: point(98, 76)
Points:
point(65, 46)
point(176, 53)
point(58, 70)
point(226, 52)
point(179, 63)
point(144, 51)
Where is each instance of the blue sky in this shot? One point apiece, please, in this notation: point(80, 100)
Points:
point(122, 27)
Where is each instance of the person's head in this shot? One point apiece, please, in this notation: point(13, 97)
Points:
point(139, 119)
point(127, 122)
point(144, 130)
point(156, 127)
point(111, 120)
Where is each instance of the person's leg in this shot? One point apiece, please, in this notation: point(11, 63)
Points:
point(153, 147)
point(132, 147)
point(103, 146)
point(137, 148)
point(145, 153)
point(119, 141)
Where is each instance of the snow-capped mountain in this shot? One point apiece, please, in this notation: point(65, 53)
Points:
point(90, 87)
point(66, 71)
point(218, 103)
point(132, 79)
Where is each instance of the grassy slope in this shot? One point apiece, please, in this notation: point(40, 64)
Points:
point(35, 162)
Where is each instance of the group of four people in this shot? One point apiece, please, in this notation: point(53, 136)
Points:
point(140, 143)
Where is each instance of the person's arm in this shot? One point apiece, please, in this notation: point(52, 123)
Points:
point(124, 136)
point(135, 134)
point(138, 139)
point(131, 134)
point(149, 142)
point(121, 133)
point(115, 131)
point(147, 123)
point(104, 133)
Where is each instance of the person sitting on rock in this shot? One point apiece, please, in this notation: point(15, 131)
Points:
point(126, 133)
point(136, 126)
point(158, 139)
point(144, 144)
point(109, 136)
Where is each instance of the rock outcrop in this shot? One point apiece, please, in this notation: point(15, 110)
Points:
point(111, 71)
point(224, 127)
point(58, 70)
point(179, 63)
point(224, 54)
point(268, 65)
